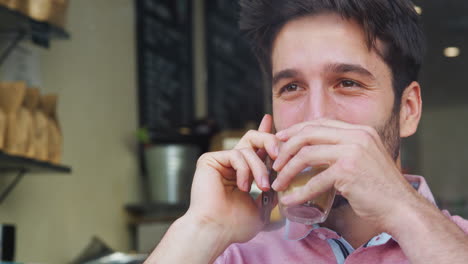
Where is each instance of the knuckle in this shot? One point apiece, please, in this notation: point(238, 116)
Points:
point(344, 188)
point(251, 133)
point(203, 158)
point(348, 165)
point(302, 153)
point(243, 170)
point(271, 140)
point(237, 153)
point(246, 139)
point(307, 129)
point(355, 150)
point(366, 139)
point(247, 151)
point(372, 131)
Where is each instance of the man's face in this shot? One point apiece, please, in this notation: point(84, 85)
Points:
point(322, 68)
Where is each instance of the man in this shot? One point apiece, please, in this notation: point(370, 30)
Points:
point(344, 90)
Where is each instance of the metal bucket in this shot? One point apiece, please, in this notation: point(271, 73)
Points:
point(170, 169)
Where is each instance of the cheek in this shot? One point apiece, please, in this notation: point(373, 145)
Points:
point(360, 111)
point(287, 114)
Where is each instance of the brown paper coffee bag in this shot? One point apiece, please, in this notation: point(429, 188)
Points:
point(30, 103)
point(24, 124)
point(17, 121)
point(2, 129)
point(18, 5)
point(51, 11)
point(49, 105)
point(41, 135)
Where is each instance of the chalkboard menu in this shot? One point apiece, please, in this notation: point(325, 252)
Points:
point(235, 94)
point(164, 64)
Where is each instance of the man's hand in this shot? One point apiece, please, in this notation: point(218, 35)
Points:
point(361, 169)
point(221, 210)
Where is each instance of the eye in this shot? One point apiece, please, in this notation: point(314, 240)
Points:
point(348, 84)
point(290, 88)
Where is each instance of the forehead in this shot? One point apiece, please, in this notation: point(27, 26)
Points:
point(316, 40)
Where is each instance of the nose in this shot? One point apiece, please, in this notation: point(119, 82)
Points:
point(318, 104)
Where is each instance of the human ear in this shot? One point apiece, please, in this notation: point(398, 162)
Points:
point(410, 109)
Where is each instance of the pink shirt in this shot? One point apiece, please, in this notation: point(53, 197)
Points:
point(322, 245)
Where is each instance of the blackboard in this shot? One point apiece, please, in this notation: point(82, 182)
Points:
point(235, 94)
point(164, 44)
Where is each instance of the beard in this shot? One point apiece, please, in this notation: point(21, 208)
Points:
point(389, 134)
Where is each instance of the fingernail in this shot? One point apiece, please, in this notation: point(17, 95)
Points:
point(246, 186)
point(265, 182)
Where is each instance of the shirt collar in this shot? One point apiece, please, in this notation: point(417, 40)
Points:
point(420, 184)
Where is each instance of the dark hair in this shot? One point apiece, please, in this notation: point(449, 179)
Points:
point(394, 22)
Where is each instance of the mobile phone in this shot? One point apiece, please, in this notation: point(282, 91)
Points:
point(269, 198)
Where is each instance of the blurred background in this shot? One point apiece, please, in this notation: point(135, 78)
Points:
point(131, 92)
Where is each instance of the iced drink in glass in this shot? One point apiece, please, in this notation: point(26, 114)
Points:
point(313, 211)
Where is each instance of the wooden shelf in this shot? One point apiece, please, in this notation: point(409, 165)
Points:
point(14, 21)
point(12, 162)
point(155, 212)
point(15, 26)
point(23, 165)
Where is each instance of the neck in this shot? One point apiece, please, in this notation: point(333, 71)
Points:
point(356, 231)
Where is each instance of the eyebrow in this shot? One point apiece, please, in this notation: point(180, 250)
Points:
point(346, 68)
point(337, 68)
point(284, 74)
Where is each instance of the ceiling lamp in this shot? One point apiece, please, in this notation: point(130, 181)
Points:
point(418, 9)
point(451, 52)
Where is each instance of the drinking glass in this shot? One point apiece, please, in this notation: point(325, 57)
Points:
point(313, 211)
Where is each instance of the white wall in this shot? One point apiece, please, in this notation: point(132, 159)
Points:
point(94, 73)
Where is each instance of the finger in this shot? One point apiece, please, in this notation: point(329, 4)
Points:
point(260, 140)
point(295, 129)
point(266, 124)
point(257, 167)
point(317, 185)
point(231, 165)
point(251, 179)
point(243, 172)
point(310, 156)
point(316, 135)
